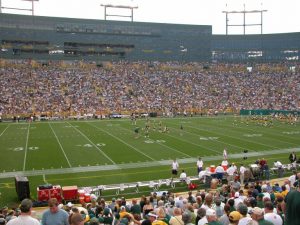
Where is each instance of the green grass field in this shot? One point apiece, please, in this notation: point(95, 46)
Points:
point(97, 152)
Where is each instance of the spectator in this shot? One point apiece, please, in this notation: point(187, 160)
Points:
point(2, 221)
point(212, 217)
point(76, 219)
point(224, 220)
point(230, 173)
point(25, 217)
point(231, 202)
point(293, 159)
point(199, 165)
point(270, 215)
point(54, 215)
point(219, 207)
point(292, 205)
point(135, 208)
point(234, 217)
point(243, 210)
point(175, 167)
point(123, 212)
point(177, 218)
point(242, 174)
point(94, 221)
point(187, 218)
point(219, 173)
point(257, 214)
point(201, 213)
point(148, 207)
point(153, 218)
point(183, 176)
point(292, 179)
point(107, 216)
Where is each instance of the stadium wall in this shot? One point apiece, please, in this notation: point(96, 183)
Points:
point(77, 39)
point(283, 47)
point(51, 38)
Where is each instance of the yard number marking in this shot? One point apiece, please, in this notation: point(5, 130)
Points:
point(32, 148)
point(154, 141)
point(208, 138)
point(252, 135)
point(101, 144)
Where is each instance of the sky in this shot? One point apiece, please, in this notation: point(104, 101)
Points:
point(282, 15)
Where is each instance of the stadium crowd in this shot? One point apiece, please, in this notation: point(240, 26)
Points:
point(257, 202)
point(143, 87)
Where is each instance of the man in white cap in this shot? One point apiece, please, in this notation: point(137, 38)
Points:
point(153, 218)
point(212, 217)
point(257, 214)
point(25, 217)
point(70, 205)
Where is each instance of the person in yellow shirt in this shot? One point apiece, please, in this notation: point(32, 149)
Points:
point(153, 218)
point(123, 213)
point(284, 191)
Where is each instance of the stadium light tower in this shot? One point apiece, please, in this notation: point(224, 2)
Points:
point(120, 7)
point(32, 5)
point(244, 24)
point(15, 8)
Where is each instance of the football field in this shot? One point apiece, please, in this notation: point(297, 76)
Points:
point(111, 151)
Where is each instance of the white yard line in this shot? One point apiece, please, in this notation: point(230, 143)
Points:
point(60, 145)
point(26, 147)
point(44, 179)
point(4, 131)
point(103, 153)
point(139, 151)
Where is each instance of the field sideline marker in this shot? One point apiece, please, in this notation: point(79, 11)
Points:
point(26, 145)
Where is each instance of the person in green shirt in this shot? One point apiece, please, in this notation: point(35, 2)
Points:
point(107, 216)
point(291, 205)
point(135, 208)
point(259, 199)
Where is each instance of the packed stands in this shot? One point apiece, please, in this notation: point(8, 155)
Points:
point(66, 89)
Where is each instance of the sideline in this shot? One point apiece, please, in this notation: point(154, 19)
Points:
point(141, 164)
